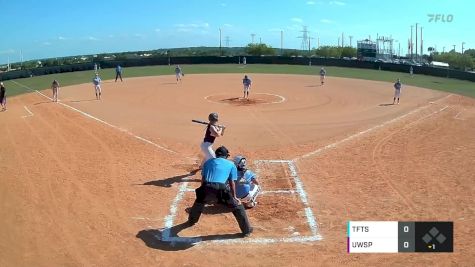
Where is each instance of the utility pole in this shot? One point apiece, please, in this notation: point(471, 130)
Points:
point(342, 39)
point(260, 40)
point(416, 42)
point(281, 42)
point(318, 42)
point(351, 38)
point(462, 47)
point(411, 42)
point(338, 41)
point(227, 40)
point(220, 46)
point(252, 37)
point(454, 48)
point(422, 46)
point(443, 49)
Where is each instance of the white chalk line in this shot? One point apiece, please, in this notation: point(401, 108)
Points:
point(169, 219)
point(104, 122)
point(354, 136)
point(311, 220)
point(30, 114)
point(282, 99)
point(268, 192)
point(458, 114)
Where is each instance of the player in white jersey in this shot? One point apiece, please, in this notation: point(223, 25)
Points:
point(397, 91)
point(323, 73)
point(97, 86)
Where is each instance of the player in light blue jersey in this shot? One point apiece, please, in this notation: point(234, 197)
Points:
point(97, 86)
point(247, 185)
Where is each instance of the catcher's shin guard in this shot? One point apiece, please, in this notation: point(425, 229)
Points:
point(241, 217)
point(250, 200)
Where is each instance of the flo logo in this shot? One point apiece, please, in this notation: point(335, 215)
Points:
point(440, 17)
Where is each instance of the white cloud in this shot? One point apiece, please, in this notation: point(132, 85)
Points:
point(203, 26)
point(294, 27)
point(139, 35)
point(310, 3)
point(157, 30)
point(227, 25)
point(110, 36)
point(92, 38)
point(46, 43)
point(327, 21)
point(8, 51)
point(298, 20)
point(223, 4)
point(61, 38)
point(338, 3)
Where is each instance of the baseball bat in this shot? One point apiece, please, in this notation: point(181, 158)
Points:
point(204, 122)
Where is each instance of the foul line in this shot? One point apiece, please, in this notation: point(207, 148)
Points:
point(102, 121)
point(351, 137)
point(30, 113)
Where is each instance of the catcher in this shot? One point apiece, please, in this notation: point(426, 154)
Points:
point(247, 185)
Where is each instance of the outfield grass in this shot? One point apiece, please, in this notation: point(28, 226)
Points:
point(443, 84)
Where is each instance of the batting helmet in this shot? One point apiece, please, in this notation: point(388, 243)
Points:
point(222, 152)
point(213, 116)
point(240, 162)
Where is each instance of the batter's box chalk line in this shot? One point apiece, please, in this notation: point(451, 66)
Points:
point(165, 235)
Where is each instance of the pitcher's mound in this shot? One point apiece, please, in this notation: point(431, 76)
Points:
point(254, 99)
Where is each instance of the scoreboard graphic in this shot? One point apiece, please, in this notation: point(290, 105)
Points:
point(394, 237)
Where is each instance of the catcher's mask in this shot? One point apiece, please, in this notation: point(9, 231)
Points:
point(240, 162)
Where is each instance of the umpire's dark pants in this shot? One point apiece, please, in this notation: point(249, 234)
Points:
point(217, 191)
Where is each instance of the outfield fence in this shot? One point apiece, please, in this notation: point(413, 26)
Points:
point(313, 61)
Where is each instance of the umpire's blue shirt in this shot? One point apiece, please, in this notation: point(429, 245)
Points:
point(219, 170)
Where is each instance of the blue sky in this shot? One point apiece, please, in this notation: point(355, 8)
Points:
point(53, 28)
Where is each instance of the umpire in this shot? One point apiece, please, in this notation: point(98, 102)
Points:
point(218, 177)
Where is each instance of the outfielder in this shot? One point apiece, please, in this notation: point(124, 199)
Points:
point(218, 183)
point(247, 186)
point(212, 131)
point(55, 88)
point(397, 91)
point(118, 73)
point(97, 86)
point(178, 73)
point(247, 86)
point(323, 73)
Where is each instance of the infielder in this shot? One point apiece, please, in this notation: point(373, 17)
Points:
point(247, 86)
point(323, 73)
point(97, 86)
point(3, 96)
point(218, 183)
point(55, 88)
point(178, 73)
point(397, 91)
point(247, 185)
point(118, 73)
point(212, 131)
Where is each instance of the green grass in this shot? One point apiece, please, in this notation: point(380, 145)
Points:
point(443, 84)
